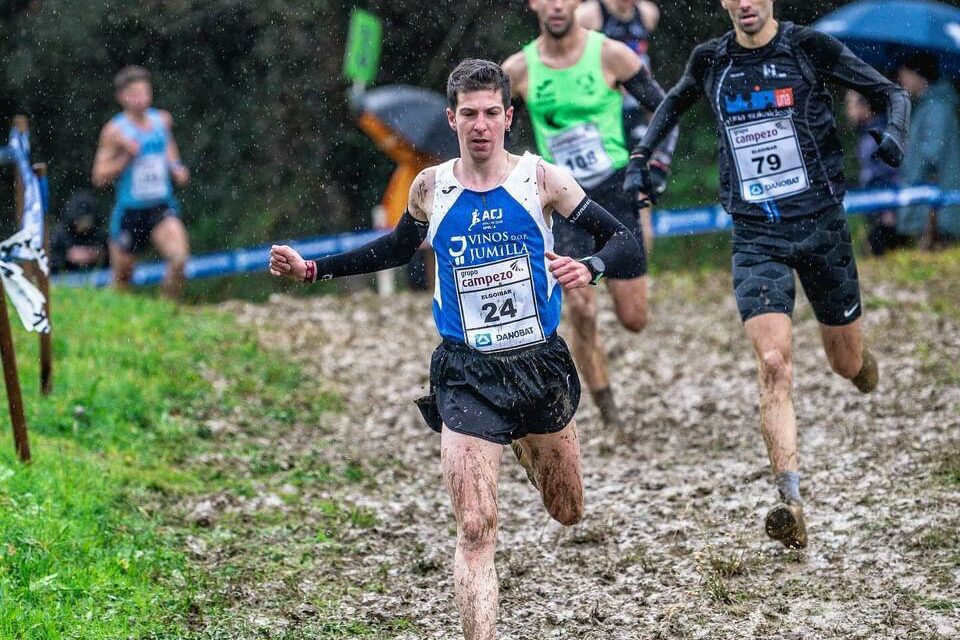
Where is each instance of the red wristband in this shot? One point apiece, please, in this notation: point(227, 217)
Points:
point(311, 274)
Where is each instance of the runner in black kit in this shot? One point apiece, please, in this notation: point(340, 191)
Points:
point(781, 178)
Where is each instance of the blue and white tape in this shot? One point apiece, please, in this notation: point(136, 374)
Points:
point(667, 223)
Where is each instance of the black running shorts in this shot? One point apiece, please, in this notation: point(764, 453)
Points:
point(571, 240)
point(817, 247)
point(136, 226)
point(501, 397)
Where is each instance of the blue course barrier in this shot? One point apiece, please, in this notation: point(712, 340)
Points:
point(667, 223)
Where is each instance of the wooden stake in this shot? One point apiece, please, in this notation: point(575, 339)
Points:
point(43, 282)
point(7, 354)
point(12, 381)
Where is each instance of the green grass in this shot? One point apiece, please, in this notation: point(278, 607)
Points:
point(87, 547)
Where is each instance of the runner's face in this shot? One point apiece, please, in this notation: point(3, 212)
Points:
point(480, 122)
point(858, 110)
point(136, 96)
point(556, 16)
point(749, 16)
point(912, 81)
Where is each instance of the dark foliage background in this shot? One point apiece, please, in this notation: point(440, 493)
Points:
point(259, 103)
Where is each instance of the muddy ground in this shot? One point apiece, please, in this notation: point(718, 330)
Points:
point(672, 543)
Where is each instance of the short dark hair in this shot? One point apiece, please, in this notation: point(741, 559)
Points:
point(477, 75)
point(128, 75)
point(925, 64)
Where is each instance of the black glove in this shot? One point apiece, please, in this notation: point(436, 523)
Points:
point(645, 177)
point(888, 149)
point(659, 175)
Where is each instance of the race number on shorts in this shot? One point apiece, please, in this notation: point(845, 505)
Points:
point(498, 305)
point(149, 180)
point(580, 150)
point(768, 159)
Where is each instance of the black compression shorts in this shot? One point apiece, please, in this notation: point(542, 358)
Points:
point(502, 397)
point(576, 242)
point(817, 247)
point(136, 226)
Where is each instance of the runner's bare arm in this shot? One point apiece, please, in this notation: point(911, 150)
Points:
point(391, 250)
point(619, 62)
point(181, 175)
point(589, 16)
point(112, 156)
point(619, 250)
point(649, 13)
point(516, 69)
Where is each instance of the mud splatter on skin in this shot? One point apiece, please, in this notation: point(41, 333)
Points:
point(665, 514)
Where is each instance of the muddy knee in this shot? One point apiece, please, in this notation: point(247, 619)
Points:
point(847, 367)
point(566, 508)
point(776, 370)
point(478, 530)
point(568, 514)
point(634, 320)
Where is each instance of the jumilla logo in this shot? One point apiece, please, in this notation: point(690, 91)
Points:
point(488, 217)
point(486, 245)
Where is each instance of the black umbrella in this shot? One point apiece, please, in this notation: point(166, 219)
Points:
point(416, 115)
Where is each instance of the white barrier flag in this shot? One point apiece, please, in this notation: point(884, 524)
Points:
point(30, 304)
point(32, 201)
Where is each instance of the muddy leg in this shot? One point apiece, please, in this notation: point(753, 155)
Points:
point(555, 463)
point(771, 334)
point(470, 469)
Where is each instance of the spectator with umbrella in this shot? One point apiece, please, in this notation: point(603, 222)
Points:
point(933, 152)
point(921, 41)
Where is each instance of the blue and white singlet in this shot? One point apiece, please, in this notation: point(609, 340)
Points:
point(145, 182)
point(493, 290)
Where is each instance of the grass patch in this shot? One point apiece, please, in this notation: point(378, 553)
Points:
point(87, 545)
point(949, 471)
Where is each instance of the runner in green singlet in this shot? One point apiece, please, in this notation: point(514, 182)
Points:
point(571, 80)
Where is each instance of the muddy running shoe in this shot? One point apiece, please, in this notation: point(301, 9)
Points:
point(607, 406)
point(525, 463)
point(866, 381)
point(785, 523)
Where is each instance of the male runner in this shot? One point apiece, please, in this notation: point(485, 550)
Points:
point(781, 178)
point(631, 22)
point(502, 374)
point(571, 79)
point(137, 150)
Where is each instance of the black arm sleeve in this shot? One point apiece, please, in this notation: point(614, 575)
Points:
point(619, 250)
point(832, 58)
point(645, 89)
point(392, 250)
point(650, 95)
point(680, 98)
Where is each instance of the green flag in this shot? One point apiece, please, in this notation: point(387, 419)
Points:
point(363, 47)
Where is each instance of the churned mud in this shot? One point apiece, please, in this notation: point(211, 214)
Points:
point(672, 544)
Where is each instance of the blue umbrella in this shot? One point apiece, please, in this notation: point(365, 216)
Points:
point(885, 32)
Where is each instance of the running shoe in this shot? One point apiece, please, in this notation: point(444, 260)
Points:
point(525, 463)
point(866, 381)
point(785, 523)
